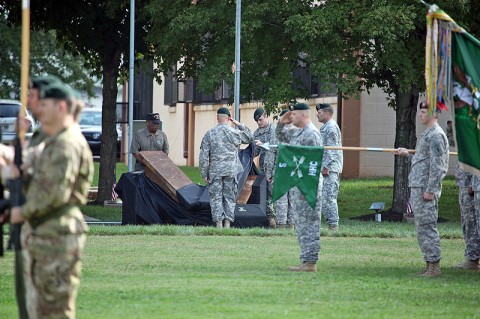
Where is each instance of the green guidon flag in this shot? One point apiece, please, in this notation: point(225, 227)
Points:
point(298, 166)
point(452, 74)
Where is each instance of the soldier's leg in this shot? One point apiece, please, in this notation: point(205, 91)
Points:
point(270, 211)
point(281, 207)
point(230, 187)
point(469, 225)
point(215, 190)
point(329, 199)
point(56, 267)
point(290, 210)
point(30, 295)
point(307, 225)
point(426, 215)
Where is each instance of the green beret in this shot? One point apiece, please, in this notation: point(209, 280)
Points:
point(300, 107)
point(322, 106)
point(283, 112)
point(40, 82)
point(57, 91)
point(223, 110)
point(258, 112)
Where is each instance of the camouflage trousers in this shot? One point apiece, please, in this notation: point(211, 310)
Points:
point(469, 224)
point(52, 266)
point(307, 225)
point(270, 211)
point(426, 216)
point(284, 210)
point(331, 183)
point(223, 192)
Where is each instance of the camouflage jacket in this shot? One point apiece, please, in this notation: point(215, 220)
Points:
point(430, 162)
point(219, 150)
point(462, 178)
point(264, 135)
point(306, 136)
point(60, 183)
point(476, 183)
point(331, 135)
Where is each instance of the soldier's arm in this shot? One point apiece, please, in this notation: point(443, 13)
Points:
point(204, 158)
point(438, 152)
point(166, 147)
point(51, 186)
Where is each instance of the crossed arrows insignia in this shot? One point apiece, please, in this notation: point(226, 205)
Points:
point(297, 170)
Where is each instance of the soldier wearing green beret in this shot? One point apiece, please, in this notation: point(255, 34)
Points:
point(307, 219)
point(220, 164)
point(60, 183)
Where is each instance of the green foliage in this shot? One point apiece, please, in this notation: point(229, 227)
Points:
point(47, 56)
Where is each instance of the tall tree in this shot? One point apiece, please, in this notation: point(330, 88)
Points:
point(46, 57)
point(99, 31)
point(353, 44)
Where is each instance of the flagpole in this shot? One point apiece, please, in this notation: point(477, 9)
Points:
point(25, 64)
point(267, 146)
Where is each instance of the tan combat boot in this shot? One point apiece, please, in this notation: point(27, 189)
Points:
point(291, 226)
point(427, 265)
point(306, 266)
point(282, 226)
point(219, 224)
point(333, 227)
point(271, 222)
point(433, 270)
point(226, 223)
point(469, 265)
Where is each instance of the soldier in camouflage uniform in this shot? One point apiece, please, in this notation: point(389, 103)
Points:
point(220, 164)
point(264, 134)
point(469, 220)
point(54, 231)
point(149, 139)
point(332, 164)
point(284, 213)
point(307, 219)
point(429, 166)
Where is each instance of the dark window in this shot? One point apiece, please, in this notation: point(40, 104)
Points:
point(9, 110)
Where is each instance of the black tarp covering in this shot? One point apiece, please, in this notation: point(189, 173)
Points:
point(144, 202)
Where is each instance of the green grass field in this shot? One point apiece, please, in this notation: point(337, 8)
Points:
point(366, 270)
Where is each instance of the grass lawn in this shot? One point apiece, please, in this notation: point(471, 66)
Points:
point(190, 276)
point(366, 270)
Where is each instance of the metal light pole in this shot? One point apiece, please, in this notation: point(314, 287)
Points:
point(238, 23)
point(130, 82)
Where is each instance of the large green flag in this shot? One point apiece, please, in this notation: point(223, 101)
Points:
point(452, 73)
point(298, 166)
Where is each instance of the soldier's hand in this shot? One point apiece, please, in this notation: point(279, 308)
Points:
point(258, 143)
point(470, 191)
point(325, 171)
point(16, 216)
point(286, 118)
point(427, 196)
point(402, 151)
point(206, 179)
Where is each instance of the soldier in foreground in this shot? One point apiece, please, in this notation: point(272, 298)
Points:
point(307, 219)
point(332, 164)
point(220, 164)
point(263, 134)
point(468, 218)
point(429, 166)
point(54, 231)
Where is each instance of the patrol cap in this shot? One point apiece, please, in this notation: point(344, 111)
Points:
point(154, 117)
point(57, 90)
point(283, 112)
point(300, 107)
point(223, 110)
point(258, 113)
point(321, 106)
point(42, 81)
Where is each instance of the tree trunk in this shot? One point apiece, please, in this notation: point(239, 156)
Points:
point(108, 149)
point(405, 136)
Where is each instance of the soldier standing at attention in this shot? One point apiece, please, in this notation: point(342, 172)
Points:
point(54, 231)
point(263, 134)
point(469, 220)
point(332, 164)
point(429, 167)
point(220, 164)
point(148, 139)
point(307, 219)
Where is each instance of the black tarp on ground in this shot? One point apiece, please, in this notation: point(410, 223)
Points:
point(144, 202)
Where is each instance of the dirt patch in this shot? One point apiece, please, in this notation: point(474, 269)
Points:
point(389, 216)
